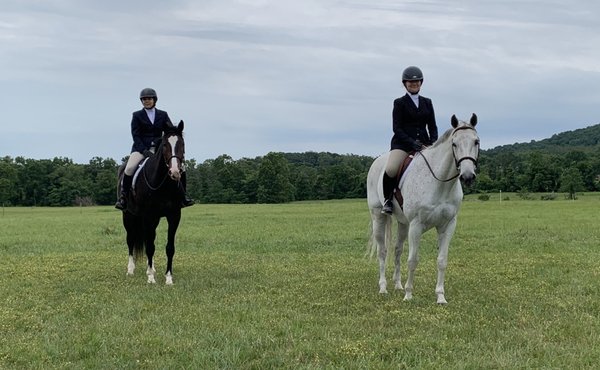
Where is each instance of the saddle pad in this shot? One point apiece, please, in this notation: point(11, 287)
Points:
point(137, 172)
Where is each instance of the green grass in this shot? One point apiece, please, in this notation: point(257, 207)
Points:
point(288, 286)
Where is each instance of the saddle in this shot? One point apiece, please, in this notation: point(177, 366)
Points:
point(401, 170)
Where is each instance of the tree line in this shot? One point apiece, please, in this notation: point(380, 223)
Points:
point(568, 163)
point(273, 178)
point(539, 172)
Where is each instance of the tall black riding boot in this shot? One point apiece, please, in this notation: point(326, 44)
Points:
point(125, 187)
point(186, 201)
point(388, 192)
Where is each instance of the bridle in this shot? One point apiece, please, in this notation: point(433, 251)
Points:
point(166, 161)
point(179, 161)
point(457, 162)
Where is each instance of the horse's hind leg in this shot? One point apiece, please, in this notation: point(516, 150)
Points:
point(402, 233)
point(131, 262)
point(133, 238)
point(380, 228)
point(173, 221)
point(150, 235)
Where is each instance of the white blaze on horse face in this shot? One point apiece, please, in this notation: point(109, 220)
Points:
point(466, 150)
point(173, 167)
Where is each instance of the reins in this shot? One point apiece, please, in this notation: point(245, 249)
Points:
point(433, 173)
point(148, 182)
point(166, 163)
point(457, 162)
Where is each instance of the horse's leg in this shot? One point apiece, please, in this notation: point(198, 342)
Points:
point(380, 228)
point(444, 237)
point(129, 224)
point(402, 233)
point(149, 236)
point(415, 230)
point(173, 220)
point(130, 245)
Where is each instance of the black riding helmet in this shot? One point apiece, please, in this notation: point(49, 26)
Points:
point(148, 93)
point(412, 73)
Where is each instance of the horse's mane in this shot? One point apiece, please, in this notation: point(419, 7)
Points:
point(446, 135)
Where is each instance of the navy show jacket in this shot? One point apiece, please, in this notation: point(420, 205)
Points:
point(144, 133)
point(413, 125)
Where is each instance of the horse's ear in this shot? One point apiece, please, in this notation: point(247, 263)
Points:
point(473, 120)
point(454, 121)
point(180, 126)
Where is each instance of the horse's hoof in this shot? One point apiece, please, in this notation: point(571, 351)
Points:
point(441, 300)
point(383, 287)
point(169, 280)
point(151, 280)
point(407, 297)
point(398, 286)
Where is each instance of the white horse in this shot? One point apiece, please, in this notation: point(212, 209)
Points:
point(432, 196)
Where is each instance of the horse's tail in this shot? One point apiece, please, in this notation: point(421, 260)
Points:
point(138, 249)
point(372, 245)
point(138, 242)
point(135, 234)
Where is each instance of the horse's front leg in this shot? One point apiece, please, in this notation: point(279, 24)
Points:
point(173, 220)
point(402, 234)
point(415, 230)
point(444, 237)
point(150, 236)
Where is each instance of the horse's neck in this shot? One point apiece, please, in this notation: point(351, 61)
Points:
point(441, 160)
point(154, 164)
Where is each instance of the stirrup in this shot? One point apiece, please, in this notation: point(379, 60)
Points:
point(120, 205)
point(187, 202)
point(388, 207)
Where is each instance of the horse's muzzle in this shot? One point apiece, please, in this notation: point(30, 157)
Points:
point(468, 178)
point(175, 174)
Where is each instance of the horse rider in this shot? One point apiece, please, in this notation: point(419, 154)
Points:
point(147, 126)
point(413, 122)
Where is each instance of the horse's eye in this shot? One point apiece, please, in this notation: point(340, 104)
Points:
point(477, 142)
point(454, 145)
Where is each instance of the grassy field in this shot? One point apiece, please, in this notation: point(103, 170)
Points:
point(288, 286)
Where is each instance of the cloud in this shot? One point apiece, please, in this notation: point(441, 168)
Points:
point(249, 77)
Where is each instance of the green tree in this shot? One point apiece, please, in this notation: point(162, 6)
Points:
point(102, 173)
point(33, 183)
point(273, 180)
point(67, 183)
point(571, 182)
point(541, 174)
point(304, 181)
point(8, 181)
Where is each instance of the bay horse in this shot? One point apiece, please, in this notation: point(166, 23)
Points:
point(155, 193)
point(432, 196)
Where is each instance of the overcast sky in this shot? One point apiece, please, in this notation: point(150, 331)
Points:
point(253, 76)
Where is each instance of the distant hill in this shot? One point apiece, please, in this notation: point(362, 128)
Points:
point(583, 139)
